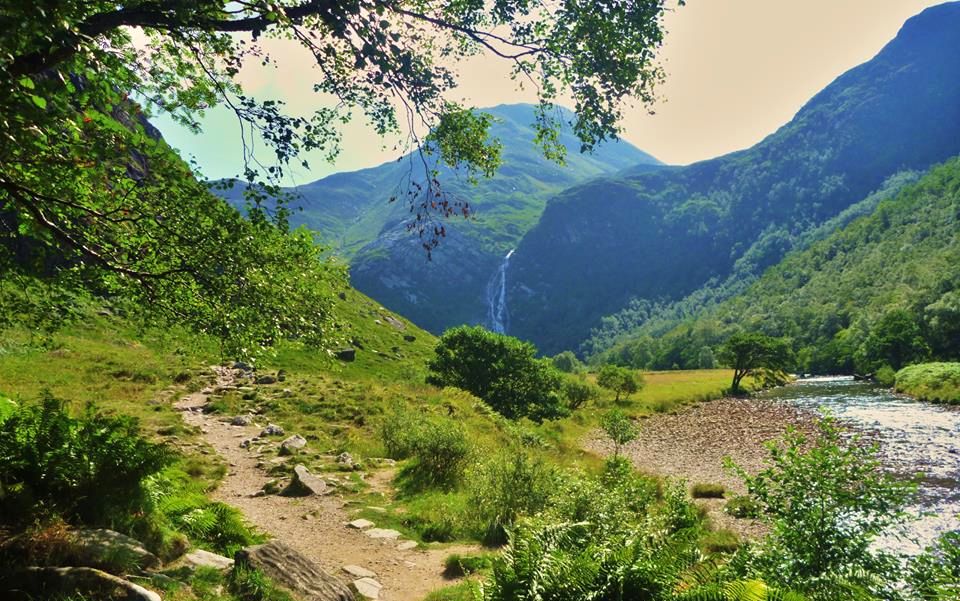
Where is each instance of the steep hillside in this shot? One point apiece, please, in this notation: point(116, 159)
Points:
point(661, 236)
point(883, 290)
point(352, 212)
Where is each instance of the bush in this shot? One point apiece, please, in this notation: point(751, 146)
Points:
point(398, 432)
point(720, 541)
point(707, 491)
point(567, 362)
point(579, 392)
point(441, 452)
point(620, 429)
point(502, 370)
point(510, 485)
point(620, 380)
point(933, 382)
point(89, 467)
point(742, 506)
point(885, 376)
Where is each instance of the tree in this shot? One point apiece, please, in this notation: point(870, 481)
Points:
point(502, 370)
point(567, 362)
point(827, 500)
point(578, 391)
point(619, 379)
point(752, 354)
point(83, 174)
point(895, 340)
point(620, 429)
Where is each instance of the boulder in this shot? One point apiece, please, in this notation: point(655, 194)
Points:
point(291, 570)
point(347, 461)
point(368, 588)
point(293, 444)
point(241, 420)
point(206, 559)
point(346, 354)
point(361, 524)
point(242, 366)
point(272, 430)
point(307, 482)
point(84, 582)
point(111, 551)
point(265, 379)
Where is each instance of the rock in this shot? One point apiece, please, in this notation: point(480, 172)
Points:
point(241, 420)
point(282, 375)
point(361, 524)
point(293, 444)
point(206, 559)
point(407, 545)
point(409, 338)
point(342, 295)
point(394, 322)
point(367, 588)
point(49, 582)
point(307, 482)
point(266, 379)
point(294, 572)
point(242, 366)
point(106, 549)
point(346, 354)
point(382, 533)
point(272, 430)
point(359, 572)
point(346, 460)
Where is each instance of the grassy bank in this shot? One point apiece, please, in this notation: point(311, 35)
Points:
point(932, 382)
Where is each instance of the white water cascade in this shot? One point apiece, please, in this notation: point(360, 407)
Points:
point(497, 297)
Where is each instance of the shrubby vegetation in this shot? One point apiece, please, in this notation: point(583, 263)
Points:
point(502, 370)
point(620, 380)
point(934, 382)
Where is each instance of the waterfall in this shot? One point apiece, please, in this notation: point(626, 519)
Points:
point(497, 297)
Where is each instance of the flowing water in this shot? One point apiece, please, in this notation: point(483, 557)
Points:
point(497, 313)
point(914, 437)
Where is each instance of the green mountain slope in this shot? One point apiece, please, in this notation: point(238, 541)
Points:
point(661, 236)
point(352, 213)
point(901, 263)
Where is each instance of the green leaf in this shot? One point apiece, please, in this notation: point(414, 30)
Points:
point(40, 101)
point(27, 83)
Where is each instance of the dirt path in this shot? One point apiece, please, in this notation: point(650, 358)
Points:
point(314, 525)
point(691, 443)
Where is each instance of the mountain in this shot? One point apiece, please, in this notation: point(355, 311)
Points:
point(900, 264)
point(663, 235)
point(352, 213)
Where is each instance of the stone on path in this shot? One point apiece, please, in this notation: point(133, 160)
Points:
point(291, 570)
point(241, 420)
point(359, 572)
point(293, 444)
point(306, 481)
point(272, 430)
point(205, 559)
point(382, 533)
point(407, 545)
point(102, 548)
point(361, 524)
point(367, 588)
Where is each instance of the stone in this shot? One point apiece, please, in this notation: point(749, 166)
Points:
point(242, 366)
point(359, 572)
point(361, 524)
point(346, 354)
point(342, 296)
point(265, 379)
point(51, 582)
point(347, 461)
point(396, 323)
point(407, 545)
point(385, 533)
point(293, 444)
point(205, 559)
point(291, 570)
point(102, 548)
point(272, 430)
point(307, 482)
point(368, 588)
point(241, 420)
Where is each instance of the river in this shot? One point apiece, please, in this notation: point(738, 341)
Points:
point(914, 437)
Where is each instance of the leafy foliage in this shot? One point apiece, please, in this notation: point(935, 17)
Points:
point(620, 429)
point(500, 369)
point(934, 382)
point(84, 468)
point(621, 380)
point(827, 500)
point(756, 355)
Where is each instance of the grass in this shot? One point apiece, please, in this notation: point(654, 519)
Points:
point(932, 382)
point(720, 541)
point(456, 565)
point(707, 491)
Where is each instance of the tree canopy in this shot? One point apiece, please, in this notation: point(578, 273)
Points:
point(87, 184)
point(752, 354)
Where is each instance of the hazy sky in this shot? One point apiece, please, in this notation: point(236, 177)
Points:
point(736, 70)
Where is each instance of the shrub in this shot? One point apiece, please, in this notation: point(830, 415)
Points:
point(934, 575)
point(720, 541)
point(885, 376)
point(502, 370)
point(578, 392)
point(398, 432)
point(441, 452)
point(89, 467)
point(742, 506)
point(621, 380)
point(510, 485)
point(567, 362)
point(707, 491)
point(620, 429)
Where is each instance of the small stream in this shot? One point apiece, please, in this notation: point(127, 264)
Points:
point(914, 437)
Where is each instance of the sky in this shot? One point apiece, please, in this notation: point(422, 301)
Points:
point(736, 71)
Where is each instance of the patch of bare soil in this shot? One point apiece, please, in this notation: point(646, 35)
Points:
point(691, 444)
point(314, 525)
